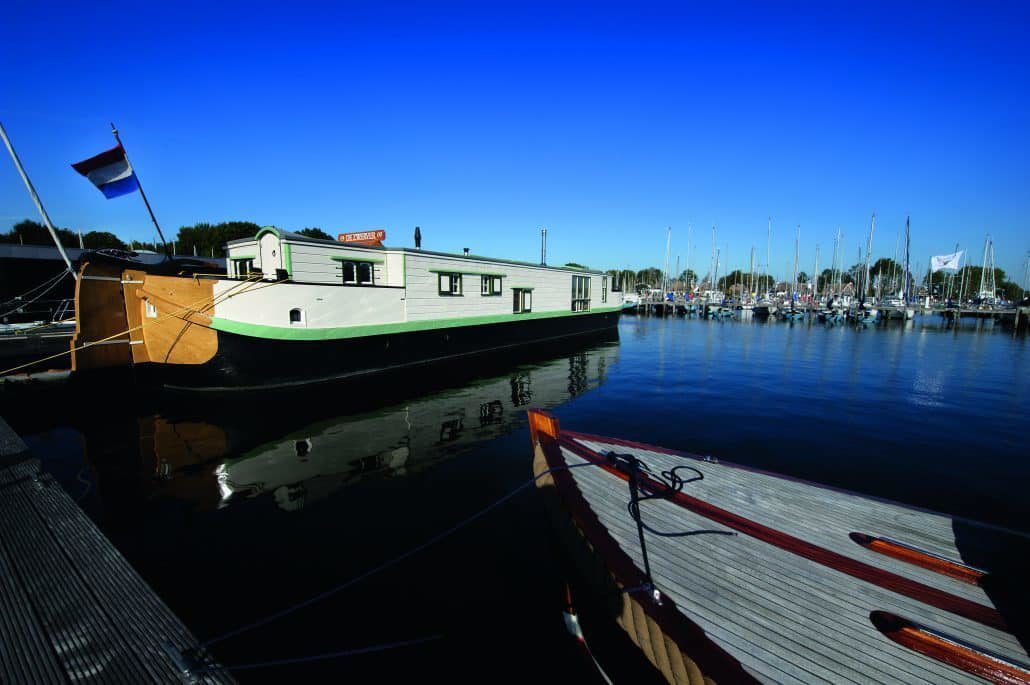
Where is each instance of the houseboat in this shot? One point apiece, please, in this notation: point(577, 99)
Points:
point(291, 309)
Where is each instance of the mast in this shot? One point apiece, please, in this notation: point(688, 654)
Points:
point(715, 266)
point(794, 285)
point(39, 203)
point(833, 264)
point(668, 242)
point(688, 257)
point(868, 250)
point(751, 286)
point(904, 274)
point(768, 252)
point(987, 284)
point(815, 275)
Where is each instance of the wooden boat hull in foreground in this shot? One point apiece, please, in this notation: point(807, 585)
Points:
point(737, 575)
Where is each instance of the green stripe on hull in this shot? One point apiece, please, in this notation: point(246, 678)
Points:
point(283, 333)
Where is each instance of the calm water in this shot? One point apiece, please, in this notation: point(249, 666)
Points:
point(236, 507)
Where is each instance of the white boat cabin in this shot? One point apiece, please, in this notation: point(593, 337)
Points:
point(331, 284)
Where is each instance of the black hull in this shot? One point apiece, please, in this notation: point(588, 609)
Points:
point(245, 362)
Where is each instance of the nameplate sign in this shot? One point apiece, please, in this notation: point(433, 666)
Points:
point(374, 238)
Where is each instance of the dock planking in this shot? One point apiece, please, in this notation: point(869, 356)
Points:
point(72, 609)
point(784, 617)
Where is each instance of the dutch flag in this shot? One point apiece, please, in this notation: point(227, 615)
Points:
point(110, 172)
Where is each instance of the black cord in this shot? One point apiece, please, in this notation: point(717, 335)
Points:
point(670, 483)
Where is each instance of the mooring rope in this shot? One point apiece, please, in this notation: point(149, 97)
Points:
point(56, 282)
point(379, 568)
point(193, 307)
point(319, 657)
point(52, 279)
point(674, 484)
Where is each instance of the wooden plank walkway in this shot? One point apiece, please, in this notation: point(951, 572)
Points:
point(72, 609)
point(782, 616)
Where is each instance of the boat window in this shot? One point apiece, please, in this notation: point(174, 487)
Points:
point(296, 317)
point(491, 285)
point(522, 300)
point(450, 284)
point(604, 289)
point(357, 273)
point(151, 310)
point(580, 293)
point(244, 267)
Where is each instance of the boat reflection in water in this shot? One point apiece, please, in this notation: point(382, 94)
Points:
point(307, 460)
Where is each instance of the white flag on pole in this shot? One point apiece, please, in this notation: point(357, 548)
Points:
point(947, 262)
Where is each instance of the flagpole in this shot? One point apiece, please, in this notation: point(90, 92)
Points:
point(139, 185)
point(39, 203)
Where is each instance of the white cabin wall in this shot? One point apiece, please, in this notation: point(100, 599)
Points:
point(315, 264)
point(552, 289)
point(323, 307)
point(394, 269)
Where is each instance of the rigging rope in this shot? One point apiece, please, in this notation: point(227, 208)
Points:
point(320, 657)
point(53, 284)
point(325, 594)
point(190, 307)
point(56, 277)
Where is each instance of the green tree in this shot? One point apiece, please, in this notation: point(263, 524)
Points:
point(315, 232)
point(96, 240)
point(30, 232)
point(651, 276)
point(687, 279)
point(207, 239)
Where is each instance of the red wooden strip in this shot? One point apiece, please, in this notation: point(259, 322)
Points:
point(974, 611)
point(949, 650)
point(918, 557)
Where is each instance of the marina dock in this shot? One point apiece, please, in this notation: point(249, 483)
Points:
point(72, 609)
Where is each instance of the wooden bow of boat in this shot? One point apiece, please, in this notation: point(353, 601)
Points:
point(127, 316)
point(759, 576)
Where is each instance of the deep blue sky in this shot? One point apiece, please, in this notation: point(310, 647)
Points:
point(481, 123)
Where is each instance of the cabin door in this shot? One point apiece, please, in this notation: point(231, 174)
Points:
point(271, 255)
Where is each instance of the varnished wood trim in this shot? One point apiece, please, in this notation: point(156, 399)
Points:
point(960, 606)
point(950, 650)
point(919, 557)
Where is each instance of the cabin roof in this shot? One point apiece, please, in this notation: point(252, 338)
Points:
point(291, 237)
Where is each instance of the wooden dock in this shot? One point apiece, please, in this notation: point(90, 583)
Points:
point(785, 581)
point(72, 609)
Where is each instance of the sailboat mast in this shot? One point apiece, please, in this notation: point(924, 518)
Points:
point(768, 258)
point(711, 286)
point(815, 275)
point(688, 258)
point(794, 286)
point(668, 243)
point(751, 286)
point(868, 251)
point(904, 275)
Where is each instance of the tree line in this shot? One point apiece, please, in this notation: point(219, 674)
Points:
point(203, 239)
